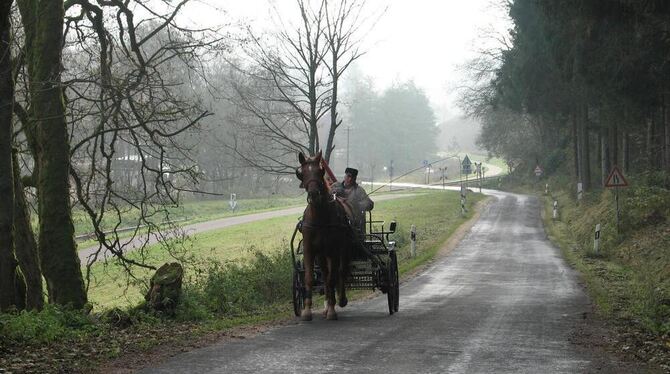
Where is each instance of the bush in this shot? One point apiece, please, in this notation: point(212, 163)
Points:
point(51, 324)
point(238, 288)
point(192, 305)
point(645, 205)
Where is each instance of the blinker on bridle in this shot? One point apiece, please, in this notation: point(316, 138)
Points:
point(318, 179)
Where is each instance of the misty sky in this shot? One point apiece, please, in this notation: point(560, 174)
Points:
point(422, 40)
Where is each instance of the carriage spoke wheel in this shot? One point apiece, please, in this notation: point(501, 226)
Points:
point(393, 293)
point(396, 286)
point(298, 293)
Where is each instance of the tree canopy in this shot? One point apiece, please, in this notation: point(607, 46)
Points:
point(582, 79)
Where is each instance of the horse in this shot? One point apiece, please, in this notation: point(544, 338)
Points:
point(327, 237)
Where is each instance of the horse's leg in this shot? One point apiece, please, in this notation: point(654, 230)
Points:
point(323, 265)
point(330, 289)
point(341, 291)
point(308, 259)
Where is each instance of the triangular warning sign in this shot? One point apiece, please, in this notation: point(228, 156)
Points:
point(616, 179)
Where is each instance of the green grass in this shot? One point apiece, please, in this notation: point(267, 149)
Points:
point(436, 216)
point(189, 212)
point(629, 277)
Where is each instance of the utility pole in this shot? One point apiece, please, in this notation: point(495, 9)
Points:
point(372, 177)
point(348, 128)
point(444, 174)
point(391, 176)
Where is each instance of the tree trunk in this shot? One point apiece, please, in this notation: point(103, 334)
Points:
point(600, 147)
point(25, 246)
point(333, 111)
point(605, 155)
point(649, 144)
point(614, 145)
point(43, 24)
point(585, 157)
point(625, 151)
point(575, 146)
point(666, 132)
point(7, 261)
point(19, 291)
point(165, 288)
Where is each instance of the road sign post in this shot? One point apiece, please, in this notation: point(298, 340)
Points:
point(463, 197)
point(412, 239)
point(466, 168)
point(615, 180)
point(596, 239)
point(479, 174)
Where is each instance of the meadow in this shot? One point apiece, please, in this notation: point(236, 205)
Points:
point(436, 215)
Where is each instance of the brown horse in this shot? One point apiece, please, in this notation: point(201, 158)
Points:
point(326, 237)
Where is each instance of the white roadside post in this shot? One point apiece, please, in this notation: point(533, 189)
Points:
point(412, 239)
point(555, 215)
point(546, 189)
point(233, 202)
point(596, 240)
point(463, 195)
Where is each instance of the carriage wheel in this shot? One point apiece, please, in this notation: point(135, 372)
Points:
point(393, 285)
point(298, 293)
point(396, 286)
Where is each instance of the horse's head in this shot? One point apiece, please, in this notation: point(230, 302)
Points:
point(310, 172)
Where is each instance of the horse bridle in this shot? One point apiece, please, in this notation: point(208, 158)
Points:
point(313, 179)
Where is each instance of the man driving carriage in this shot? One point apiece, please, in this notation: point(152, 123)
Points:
point(356, 197)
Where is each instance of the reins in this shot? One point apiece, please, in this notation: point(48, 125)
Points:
point(312, 225)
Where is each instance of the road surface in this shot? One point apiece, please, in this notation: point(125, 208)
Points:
point(503, 301)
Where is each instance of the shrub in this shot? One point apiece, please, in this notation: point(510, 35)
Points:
point(238, 288)
point(645, 205)
point(48, 325)
point(192, 305)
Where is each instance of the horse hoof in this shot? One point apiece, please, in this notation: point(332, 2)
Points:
point(343, 302)
point(331, 316)
point(306, 315)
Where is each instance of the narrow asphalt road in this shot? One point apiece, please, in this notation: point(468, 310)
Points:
point(503, 301)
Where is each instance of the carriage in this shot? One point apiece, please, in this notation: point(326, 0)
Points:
point(374, 265)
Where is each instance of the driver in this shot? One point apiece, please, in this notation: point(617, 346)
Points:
point(356, 197)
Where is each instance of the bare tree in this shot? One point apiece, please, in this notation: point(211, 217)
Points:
point(136, 101)
point(292, 84)
point(109, 105)
point(343, 35)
